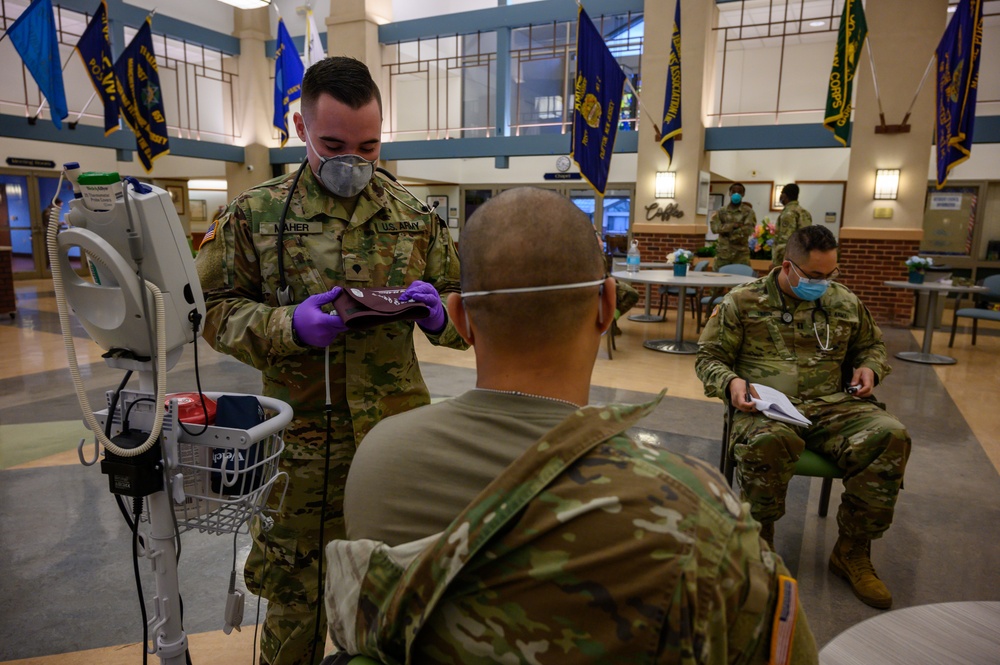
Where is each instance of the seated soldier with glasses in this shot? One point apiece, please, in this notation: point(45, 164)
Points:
point(799, 332)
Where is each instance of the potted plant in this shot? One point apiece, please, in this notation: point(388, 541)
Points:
point(680, 258)
point(705, 251)
point(917, 266)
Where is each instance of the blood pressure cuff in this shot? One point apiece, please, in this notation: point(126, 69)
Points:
point(239, 412)
point(364, 308)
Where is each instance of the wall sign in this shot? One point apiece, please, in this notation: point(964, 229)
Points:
point(562, 176)
point(33, 163)
point(654, 211)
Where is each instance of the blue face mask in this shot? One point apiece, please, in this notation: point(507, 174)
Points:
point(736, 198)
point(809, 289)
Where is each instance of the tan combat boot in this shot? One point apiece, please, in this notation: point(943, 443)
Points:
point(851, 559)
point(767, 533)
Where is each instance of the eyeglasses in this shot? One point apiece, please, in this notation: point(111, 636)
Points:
point(812, 280)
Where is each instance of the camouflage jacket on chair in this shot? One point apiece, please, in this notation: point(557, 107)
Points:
point(592, 547)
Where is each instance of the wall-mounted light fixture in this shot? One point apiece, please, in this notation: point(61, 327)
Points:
point(247, 4)
point(886, 184)
point(666, 184)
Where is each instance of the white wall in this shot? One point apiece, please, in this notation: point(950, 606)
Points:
point(522, 171)
point(781, 166)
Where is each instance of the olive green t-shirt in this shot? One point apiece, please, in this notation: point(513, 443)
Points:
point(416, 471)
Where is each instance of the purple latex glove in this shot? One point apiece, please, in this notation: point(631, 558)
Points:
point(314, 326)
point(426, 294)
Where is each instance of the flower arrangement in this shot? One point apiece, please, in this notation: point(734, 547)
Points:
point(762, 239)
point(919, 263)
point(681, 256)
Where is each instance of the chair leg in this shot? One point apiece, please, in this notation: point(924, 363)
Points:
point(954, 324)
point(975, 324)
point(824, 496)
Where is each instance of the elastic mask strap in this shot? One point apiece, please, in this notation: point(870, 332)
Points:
point(535, 289)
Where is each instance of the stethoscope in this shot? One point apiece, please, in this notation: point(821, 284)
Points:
point(786, 317)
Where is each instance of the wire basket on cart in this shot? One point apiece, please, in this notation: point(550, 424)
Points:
point(217, 477)
point(223, 475)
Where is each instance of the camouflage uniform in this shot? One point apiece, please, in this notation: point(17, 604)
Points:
point(390, 240)
point(746, 337)
point(734, 226)
point(792, 218)
point(589, 548)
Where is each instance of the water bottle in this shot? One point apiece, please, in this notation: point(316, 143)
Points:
point(632, 260)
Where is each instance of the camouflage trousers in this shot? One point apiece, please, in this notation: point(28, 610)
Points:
point(284, 561)
point(866, 442)
point(726, 259)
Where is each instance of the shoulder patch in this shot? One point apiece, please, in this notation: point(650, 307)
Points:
point(209, 235)
point(715, 310)
point(785, 612)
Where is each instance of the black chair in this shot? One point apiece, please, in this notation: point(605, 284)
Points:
point(980, 309)
point(691, 293)
point(706, 303)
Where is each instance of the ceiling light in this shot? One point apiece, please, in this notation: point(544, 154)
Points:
point(247, 4)
point(816, 24)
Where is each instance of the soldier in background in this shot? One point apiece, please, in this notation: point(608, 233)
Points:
point(523, 526)
point(797, 331)
point(346, 226)
point(792, 218)
point(734, 224)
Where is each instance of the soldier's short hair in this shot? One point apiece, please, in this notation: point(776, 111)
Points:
point(809, 239)
point(526, 237)
point(735, 185)
point(791, 190)
point(345, 79)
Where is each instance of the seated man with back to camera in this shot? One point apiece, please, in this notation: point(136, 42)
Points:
point(796, 331)
point(514, 524)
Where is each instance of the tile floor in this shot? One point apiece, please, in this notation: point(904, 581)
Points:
point(67, 593)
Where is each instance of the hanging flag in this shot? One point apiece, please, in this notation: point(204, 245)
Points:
point(314, 45)
point(598, 97)
point(671, 128)
point(141, 98)
point(850, 39)
point(957, 84)
point(95, 49)
point(34, 36)
point(288, 72)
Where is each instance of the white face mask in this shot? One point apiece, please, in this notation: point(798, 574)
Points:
point(343, 176)
point(536, 289)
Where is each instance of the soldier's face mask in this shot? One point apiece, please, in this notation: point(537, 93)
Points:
point(736, 198)
point(808, 289)
point(343, 176)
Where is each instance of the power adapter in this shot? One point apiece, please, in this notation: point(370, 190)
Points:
point(137, 476)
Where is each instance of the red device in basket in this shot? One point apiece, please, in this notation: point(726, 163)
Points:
point(189, 408)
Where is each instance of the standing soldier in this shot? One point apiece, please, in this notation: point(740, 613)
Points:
point(734, 224)
point(792, 218)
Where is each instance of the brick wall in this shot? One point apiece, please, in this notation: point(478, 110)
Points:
point(656, 246)
point(866, 264)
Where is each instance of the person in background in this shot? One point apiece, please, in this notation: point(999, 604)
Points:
point(792, 218)
point(799, 332)
point(347, 226)
point(524, 526)
point(734, 224)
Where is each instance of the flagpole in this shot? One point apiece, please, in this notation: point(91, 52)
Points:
point(639, 99)
point(919, 88)
point(42, 105)
point(878, 97)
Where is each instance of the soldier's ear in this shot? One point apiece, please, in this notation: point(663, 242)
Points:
point(460, 317)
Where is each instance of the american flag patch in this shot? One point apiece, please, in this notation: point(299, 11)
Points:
point(785, 613)
point(209, 234)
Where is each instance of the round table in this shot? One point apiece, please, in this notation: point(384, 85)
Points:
point(694, 278)
point(647, 316)
point(932, 289)
point(962, 633)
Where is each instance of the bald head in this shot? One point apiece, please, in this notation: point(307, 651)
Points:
point(528, 237)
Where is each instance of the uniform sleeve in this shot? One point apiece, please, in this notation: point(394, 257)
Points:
point(715, 223)
point(753, 597)
point(866, 348)
point(442, 272)
point(238, 322)
point(718, 347)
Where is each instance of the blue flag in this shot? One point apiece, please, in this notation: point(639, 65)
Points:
point(672, 103)
point(957, 82)
point(95, 49)
point(598, 99)
point(34, 36)
point(138, 81)
point(288, 71)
